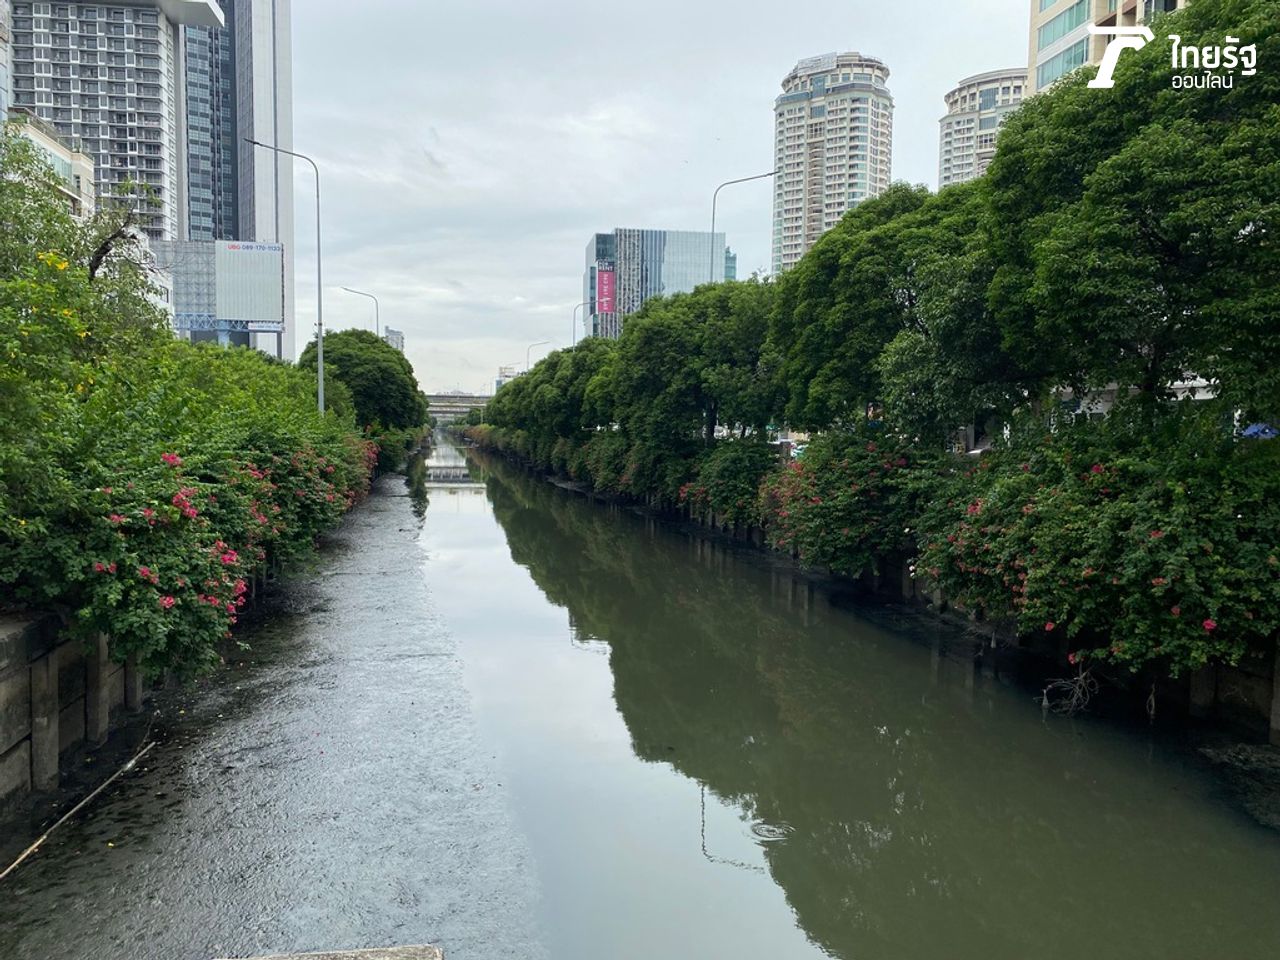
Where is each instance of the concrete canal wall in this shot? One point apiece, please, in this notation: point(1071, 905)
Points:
point(55, 695)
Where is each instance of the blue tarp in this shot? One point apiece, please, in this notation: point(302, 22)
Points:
point(1261, 431)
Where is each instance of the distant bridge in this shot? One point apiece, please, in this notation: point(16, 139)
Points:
point(446, 407)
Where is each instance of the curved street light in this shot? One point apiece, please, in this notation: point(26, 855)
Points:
point(759, 176)
point(319, 274)
point(540, 343)
point(574, 323)
point(377, 316)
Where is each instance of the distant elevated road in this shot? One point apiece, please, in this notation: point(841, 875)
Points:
point(446, 407)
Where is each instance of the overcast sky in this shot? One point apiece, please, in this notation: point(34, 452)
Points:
point(469, 149)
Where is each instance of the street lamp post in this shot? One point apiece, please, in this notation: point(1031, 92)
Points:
point(540, 343)
point(759, 176)
point(377, 316)
point(319, 273)
point(574, 328)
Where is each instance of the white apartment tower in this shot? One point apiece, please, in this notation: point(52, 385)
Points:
point(975, 110)
point(108, 77)
point(833, 147)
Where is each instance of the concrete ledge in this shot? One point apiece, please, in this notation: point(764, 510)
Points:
point(383, 953)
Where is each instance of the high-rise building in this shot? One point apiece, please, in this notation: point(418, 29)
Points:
point(833, 147)
point(394, 337)
point(108, 76)
point(629, 266)
point(74, 169)
point(238, 84)
point(161, 94)
point(1060, 40)
point(730, 264)
point(975, 110)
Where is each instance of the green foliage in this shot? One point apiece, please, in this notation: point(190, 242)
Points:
point(378, 377)
point(846, 503)
point(1139, 547)
point(728, 480)
point(144, 482)
point(1122, 240)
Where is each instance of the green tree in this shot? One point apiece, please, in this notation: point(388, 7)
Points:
point(380, 379)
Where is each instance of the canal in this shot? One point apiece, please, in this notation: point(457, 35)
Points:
point(518, 724)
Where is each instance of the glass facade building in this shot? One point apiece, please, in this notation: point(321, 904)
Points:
point(212, 197)
point(629, 266)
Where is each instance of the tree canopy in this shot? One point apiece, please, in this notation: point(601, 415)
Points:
point(378, 377)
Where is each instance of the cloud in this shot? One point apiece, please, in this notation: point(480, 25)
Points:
point(469, 151)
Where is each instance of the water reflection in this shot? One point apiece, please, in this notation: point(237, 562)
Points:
point(442, 467)
point(907, 804)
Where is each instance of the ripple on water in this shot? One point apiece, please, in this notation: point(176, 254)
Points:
point(771, 832)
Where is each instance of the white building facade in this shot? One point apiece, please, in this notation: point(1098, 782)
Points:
point(833, 147)
point(975, 110)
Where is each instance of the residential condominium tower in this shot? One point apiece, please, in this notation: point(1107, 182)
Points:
point(1060, 40)
point(108, 76)
point(833, 147)
point(975, 110)
point(629, 266)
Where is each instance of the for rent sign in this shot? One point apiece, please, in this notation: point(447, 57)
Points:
point(606, 287)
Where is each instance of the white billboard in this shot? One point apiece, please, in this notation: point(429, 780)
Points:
point(250, 283)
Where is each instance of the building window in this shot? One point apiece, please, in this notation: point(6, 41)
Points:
point(1063, 63)
point(1062, 24)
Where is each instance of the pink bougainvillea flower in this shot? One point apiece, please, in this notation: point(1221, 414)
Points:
point(116, 518)
point(1159, 582)
point(99, 567)
point(171, 459)
point(1097, 468)
point(229, 558)
point(144, 573)
point(167, 602)
point(1072, 659)
point(1049, 626)
point(1210, 625)
point(1176, 610)
point(1157, 534)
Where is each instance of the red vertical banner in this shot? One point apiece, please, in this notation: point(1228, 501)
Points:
point(606, 287)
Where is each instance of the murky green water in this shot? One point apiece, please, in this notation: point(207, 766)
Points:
point(542, 727)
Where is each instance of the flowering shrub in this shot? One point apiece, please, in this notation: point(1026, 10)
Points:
point(144, 482)
point(845, 504)
point(194, 469)
point(728, 480)
point(1137, 551)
